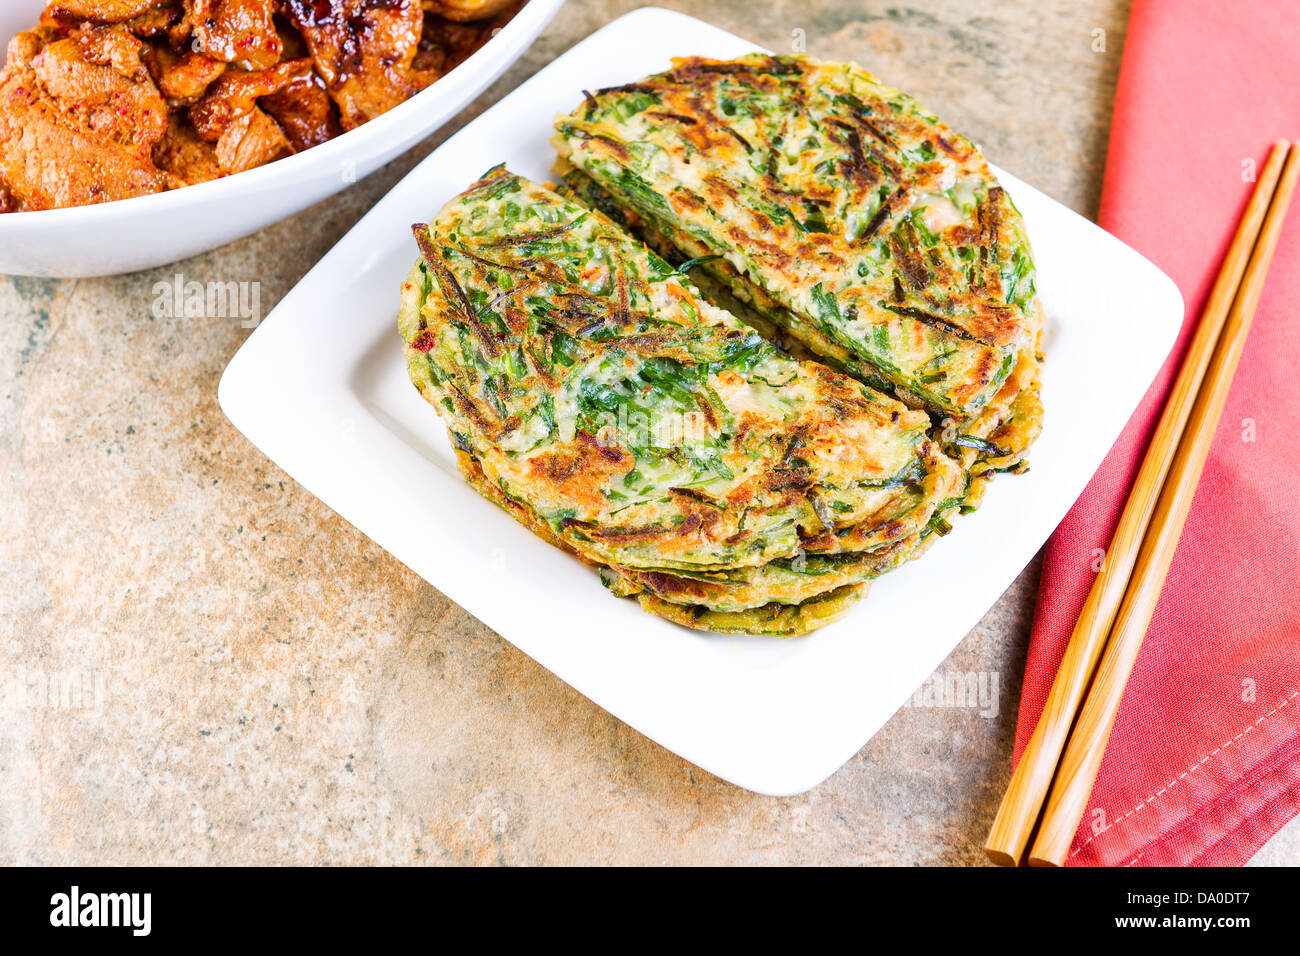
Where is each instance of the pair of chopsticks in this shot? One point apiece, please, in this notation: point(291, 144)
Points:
point(1065, 752)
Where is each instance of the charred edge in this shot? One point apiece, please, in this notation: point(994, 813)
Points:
point(615, 146)
point(883, 213)
point(988, 364)
point(493, 264)
point(470, 409)
point(859, 153)
point(824, 541)
point(797, 441)
point(788, 479)
point(623, 313)
point(989, 219)
point(706, 408)
point(675, 117)
point(626, 88)
point(492, 343)
point(634, 535)
point(487, 179)
point(935, 321)
point(581, 321)
point(909, 262)
point(874, 130)
point(525, 238)
point(695, 495)
point(610, 453)
point(664, 584)
point(879, 134)
point(852, 140)
point(694, 67)
point(739, 139)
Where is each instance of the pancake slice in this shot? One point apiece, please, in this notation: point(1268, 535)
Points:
point(842, 212)
point(592, 392)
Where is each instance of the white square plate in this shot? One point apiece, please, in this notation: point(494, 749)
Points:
point(321, 388)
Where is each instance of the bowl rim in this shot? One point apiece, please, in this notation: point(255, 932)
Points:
point(532, 17)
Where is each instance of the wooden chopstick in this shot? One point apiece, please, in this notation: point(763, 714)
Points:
point(1077, 771)
point(1025, 796)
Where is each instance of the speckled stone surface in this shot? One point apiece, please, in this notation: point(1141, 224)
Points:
point(203, 664)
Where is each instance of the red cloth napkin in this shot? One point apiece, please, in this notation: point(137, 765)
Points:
point(1203, 764)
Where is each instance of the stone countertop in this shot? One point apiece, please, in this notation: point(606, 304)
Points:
point(240, 676)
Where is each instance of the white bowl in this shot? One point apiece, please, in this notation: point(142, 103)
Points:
point(148, 231)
